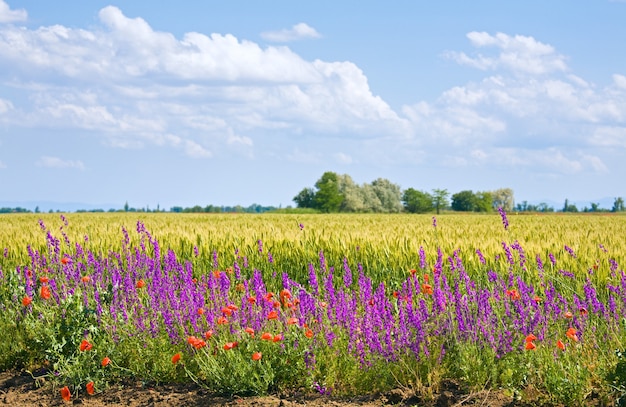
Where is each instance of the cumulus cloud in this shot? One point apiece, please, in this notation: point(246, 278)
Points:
point(297, 32)
point(214, 89)
point(56, 162)
point(9, 16)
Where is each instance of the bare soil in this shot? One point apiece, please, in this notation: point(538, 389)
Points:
point(20, 389)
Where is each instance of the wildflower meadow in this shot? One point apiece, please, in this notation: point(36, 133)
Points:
point(333, 304)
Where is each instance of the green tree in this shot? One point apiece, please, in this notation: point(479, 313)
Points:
point(352, 195)
point(483, 201)
point(567, 207)
point(440, 199)
point(618, 205)
point(389, 194)
point(417, 201)
point(464, 201)
point(328, 198)
point(503, 198)
point(305, 198)
point(371, 201)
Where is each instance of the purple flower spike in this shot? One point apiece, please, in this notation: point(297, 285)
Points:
point(505, 221)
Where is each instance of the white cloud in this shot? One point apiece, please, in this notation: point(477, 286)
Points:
point(520, 54)
point(297, 32)
point(5, 106)
point(8, 16)
point(620, 81)
point(343, 158)
point(195, 150)
point(56, 162)
point(144, 84)
point(611, 137)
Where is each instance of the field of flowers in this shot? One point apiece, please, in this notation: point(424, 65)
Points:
point(335, 304)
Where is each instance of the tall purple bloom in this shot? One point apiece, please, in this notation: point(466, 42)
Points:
point(505, 221)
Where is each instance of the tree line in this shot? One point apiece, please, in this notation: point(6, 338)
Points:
point(339, 193)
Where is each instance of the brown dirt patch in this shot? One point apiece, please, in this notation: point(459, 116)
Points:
point(19, 389)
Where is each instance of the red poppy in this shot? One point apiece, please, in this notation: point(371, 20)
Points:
point(26, 301)
point(251, 300)
point(43, 279)
point(395, 294)
point(583, 311)
point(85, 345)
point(65, 260)
point(268, 296)
point(272, 315)
point(249, 331)
point(176, 358)
point(537, 299)
point(323, 304)
point(568, 315)
point(196, 342)
point(371, 302)
point(216, 274)
point(105, 362)
point(308, 333)
point(292, 321)
point(66, 394)
point(513, 294)
point(44, 292)
point(427, 289)
point(426, 277)
point(257, 356)
point(85, 279)
point(226, 311)
point(240, 287)
point(267, 336)
point(200, 311)
point(276, 304)
point(572, 334)
point(229, 345)
point(222, 321)
point(141, 284)
point(208, 334)
point(531, 338)
point(90, 388)
point(560, 345)
point(530, 345)
point(277, 338)
point(233, 307)
point(412, 271)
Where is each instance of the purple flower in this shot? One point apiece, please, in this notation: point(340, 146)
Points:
point(505, 221)
point(480, 256)
point(301, 226)
point(570, 251)
point(435, 222)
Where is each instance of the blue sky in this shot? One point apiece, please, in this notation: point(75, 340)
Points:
point(239, 102)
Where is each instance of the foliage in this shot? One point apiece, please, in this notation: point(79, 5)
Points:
point(417, 201)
